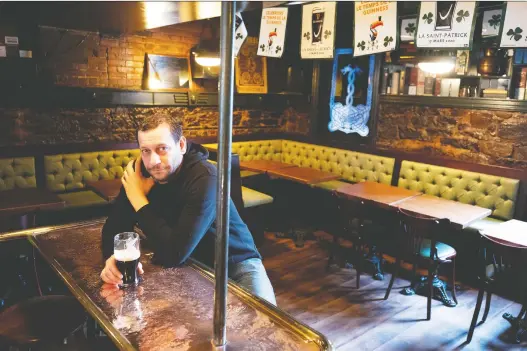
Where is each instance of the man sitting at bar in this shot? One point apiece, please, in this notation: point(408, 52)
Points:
point(173, 201)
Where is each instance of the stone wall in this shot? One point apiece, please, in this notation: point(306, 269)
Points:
point(487, 137)
point(25, 126)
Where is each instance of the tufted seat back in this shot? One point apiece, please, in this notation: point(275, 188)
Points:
point(493, 192)
point(71, 171)
point(256, 150)
point(350, 165)
point(17, 172)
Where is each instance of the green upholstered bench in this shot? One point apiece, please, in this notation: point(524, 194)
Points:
point(67, 174)
point(18, 172)
point(352, 166)
point(497, 193)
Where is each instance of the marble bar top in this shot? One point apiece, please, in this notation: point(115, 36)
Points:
point(172, 308)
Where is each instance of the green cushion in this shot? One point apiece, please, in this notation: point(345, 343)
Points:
point(17, 172)
point(493, 192)
point(482, 224)
point(253, 198)
point(246, 174)
point(82, 199)
point(444, 251)
point(72, 171)
point(330, 185)
point(350, 165)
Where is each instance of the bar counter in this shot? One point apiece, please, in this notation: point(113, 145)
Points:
point(172, 308)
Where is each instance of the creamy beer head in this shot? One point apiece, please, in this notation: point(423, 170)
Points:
point(128, 254)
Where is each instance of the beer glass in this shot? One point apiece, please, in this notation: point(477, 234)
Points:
point(317, 23)
point(126, 252)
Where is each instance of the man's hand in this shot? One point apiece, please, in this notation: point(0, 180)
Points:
point(111, 275)
point(135, 185)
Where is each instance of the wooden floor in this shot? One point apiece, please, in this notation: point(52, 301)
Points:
point(361, 320)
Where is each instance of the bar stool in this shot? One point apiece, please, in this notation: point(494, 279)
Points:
point(40, 320)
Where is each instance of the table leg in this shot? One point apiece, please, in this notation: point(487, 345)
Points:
point(518, 323)
point(421, 284)
point(373, 259)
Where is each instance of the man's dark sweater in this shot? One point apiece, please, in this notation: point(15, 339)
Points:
point(179, 220)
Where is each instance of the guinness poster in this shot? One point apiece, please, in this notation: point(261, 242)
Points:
point(514, 32)
point(375, 27)
point(251, 69)
point(445, 24)
point(318, 30)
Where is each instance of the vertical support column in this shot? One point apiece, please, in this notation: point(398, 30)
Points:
point(226, 93)
point(315, 91)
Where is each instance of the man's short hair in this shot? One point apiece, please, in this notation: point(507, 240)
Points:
point(155, 120)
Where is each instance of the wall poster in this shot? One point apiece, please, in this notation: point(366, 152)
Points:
point(272, 32)
point(513, 34)
point(446, 24)
point(318, 30)
point(375, 27)
point(251, 69)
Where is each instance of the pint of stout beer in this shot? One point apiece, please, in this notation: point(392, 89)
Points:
point(126, 252)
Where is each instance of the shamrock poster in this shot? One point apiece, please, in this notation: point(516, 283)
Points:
point(514, 33)
point(318, 30)
point(408, 29)
point(375, 27)
point(445, 24)
point(272, 32)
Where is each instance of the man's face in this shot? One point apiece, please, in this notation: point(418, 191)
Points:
point(161, 154)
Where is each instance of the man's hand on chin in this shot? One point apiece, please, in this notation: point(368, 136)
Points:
point(135, 185)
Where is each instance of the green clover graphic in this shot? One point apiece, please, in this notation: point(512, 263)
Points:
point(461, 15)
point(516, 33)
point(428, 18)
point(387, 41)
point(495, 21)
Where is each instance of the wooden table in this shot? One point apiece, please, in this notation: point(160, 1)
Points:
point(24, 202)
point(383, 195)
point(107, 189)
point(172, 308)
point(513, 232)
point(263, 165)
point(303, 175)
point(461, 215)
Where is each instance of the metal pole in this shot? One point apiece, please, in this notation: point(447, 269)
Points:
point(225, 98)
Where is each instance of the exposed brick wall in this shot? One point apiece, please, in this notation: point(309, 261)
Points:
point(29, 126)
point(89, 59)
point(487, 137)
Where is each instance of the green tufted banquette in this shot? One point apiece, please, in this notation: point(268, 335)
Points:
point(17, 172)
point(68, 173)
point(493, 192)
point(350, 165)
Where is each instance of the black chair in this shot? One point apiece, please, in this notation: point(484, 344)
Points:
point(501, 264)
point(39, 321)
point(355, 220)
point(419, 244)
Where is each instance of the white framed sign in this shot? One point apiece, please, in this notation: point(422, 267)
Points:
point(514, 30)
point(272, 32)
point(408, 28)
point(318, 30)
point(375, 27)
point(491, 25)
point(445, 24)
point(240, 33)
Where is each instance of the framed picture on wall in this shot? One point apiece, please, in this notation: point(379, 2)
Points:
point(492, 20)
point(167, 72)
point(251, 69)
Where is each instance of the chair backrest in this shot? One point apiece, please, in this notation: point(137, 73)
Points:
point(497, 193)
point(498, 258)
point(414, 229)
point(351, 213)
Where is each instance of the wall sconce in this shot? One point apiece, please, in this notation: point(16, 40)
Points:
point(207, 53)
